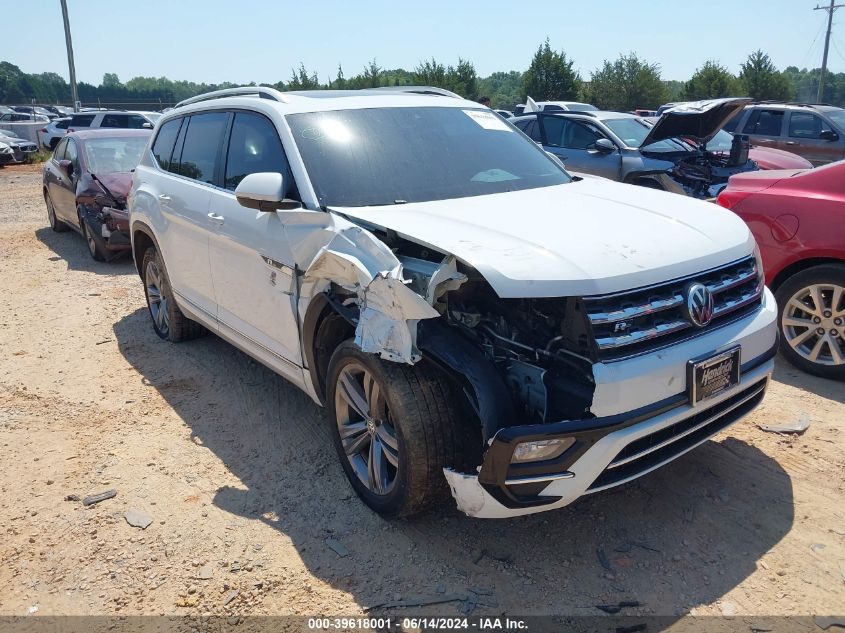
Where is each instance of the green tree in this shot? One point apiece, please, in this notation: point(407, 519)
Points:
point(339, 82)
point(627, 84)
point(430, 73)
point(301, 79)
point(762, 81)
point(111, 80)
point(711, 81)
point(463, 79)
point(372, 75)
point(550, 76)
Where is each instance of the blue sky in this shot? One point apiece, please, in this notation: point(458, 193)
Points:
point(250, 40)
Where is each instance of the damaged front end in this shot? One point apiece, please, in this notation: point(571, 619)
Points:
point(522, 365)
point(705, 172)
point(103, 208)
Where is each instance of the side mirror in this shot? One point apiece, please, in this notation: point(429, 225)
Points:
point(147, 126)
point(67, 167)
point(264, 191)
point(605, 146)
point(828, 135)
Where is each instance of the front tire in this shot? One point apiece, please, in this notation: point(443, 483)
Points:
point(168, 321)
point(95, 249)
point(811, 316)
point(394, 430)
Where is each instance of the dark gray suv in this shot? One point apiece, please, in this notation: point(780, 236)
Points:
point(815, 132)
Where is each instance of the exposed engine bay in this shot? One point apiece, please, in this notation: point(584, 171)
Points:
point(705, 173)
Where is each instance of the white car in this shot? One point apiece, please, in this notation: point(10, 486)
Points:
point(52, 133)
point(22, 149)
point(550, 106)
point(109, 119)
point(468, 312)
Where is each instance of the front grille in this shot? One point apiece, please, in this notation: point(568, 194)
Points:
point(641, 320)
point(655, 449)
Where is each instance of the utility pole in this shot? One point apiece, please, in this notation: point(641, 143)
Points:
point(73, 94)
point(833, 7)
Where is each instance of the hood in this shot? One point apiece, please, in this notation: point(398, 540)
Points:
point(584, 238)
point(118, 182)
point(697, 119)
point(771, 158)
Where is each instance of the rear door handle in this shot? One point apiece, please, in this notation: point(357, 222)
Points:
point(218, 219)
point(792, 142)
point(164, 197)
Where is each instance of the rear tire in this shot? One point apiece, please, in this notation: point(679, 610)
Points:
point(811, 317)
point(56, 224)
point(168, 321)
point(409, 420)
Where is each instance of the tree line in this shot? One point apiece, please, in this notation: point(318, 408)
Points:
point(626, 83)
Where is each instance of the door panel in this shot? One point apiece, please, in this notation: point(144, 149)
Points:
point(251, 260)
point(63, 193)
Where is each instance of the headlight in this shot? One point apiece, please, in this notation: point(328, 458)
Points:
point(759, 259)
point(5, 150)
point(541, 449)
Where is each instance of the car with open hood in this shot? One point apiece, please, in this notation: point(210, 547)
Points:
point(675, 153)
point(85, 184)
point(473, 317)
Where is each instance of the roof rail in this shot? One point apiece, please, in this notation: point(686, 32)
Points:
point(792, 103)
point(422, 90)
point(261, 92)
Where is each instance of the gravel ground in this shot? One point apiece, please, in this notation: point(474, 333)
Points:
point(251, 513)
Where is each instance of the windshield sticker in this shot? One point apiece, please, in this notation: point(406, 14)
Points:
point(493, 175)
point(488, 120)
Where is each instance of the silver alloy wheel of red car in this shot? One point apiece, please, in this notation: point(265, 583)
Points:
point(814, 323)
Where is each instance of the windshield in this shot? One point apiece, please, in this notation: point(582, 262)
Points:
point(837, 116)
point(632, 132)
point(105, 155)
point(384, 156)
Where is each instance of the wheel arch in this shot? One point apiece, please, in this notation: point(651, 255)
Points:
point(142, 239)
point(799, 266)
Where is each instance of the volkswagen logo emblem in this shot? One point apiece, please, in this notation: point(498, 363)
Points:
point(699, 305)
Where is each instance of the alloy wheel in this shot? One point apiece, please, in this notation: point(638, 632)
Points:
point(814, 324)
point(366, 431)
point(92, 245)
point(157, 298)
point(51, 212)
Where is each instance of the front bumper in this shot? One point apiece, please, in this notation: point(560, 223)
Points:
point(658, 425)
point(110, 228)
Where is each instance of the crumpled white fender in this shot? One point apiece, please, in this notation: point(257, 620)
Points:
point(389, 311)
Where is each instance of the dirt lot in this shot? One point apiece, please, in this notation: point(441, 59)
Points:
point(236, 469)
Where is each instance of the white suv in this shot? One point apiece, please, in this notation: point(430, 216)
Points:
point(469, 313)
point(120, 119)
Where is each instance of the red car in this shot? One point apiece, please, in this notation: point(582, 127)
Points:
point(798, 219)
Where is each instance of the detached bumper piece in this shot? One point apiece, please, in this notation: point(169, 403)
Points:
point(519, 485)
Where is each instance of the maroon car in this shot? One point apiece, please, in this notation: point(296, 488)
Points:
point(86, 183)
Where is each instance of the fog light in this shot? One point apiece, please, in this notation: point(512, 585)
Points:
point(541, 449)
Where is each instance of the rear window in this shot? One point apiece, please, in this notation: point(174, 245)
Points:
point(82, 120)
point(765, 123)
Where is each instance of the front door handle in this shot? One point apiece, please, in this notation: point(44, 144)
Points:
point(218, 219)
point(792, 142)
point(164, 197)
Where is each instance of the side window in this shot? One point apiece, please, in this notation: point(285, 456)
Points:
point(578, 135)
point(136, 121)
point(59, 152)
point(764, 122)
point(521, 125)
point(254, 146)
point(553, 126)
point(114, 120)
point(63, 125)
point(165, 140)
point(533, 131)
point(72, 154)
point(806, 125)
point(201, 145)
point(81, 120)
